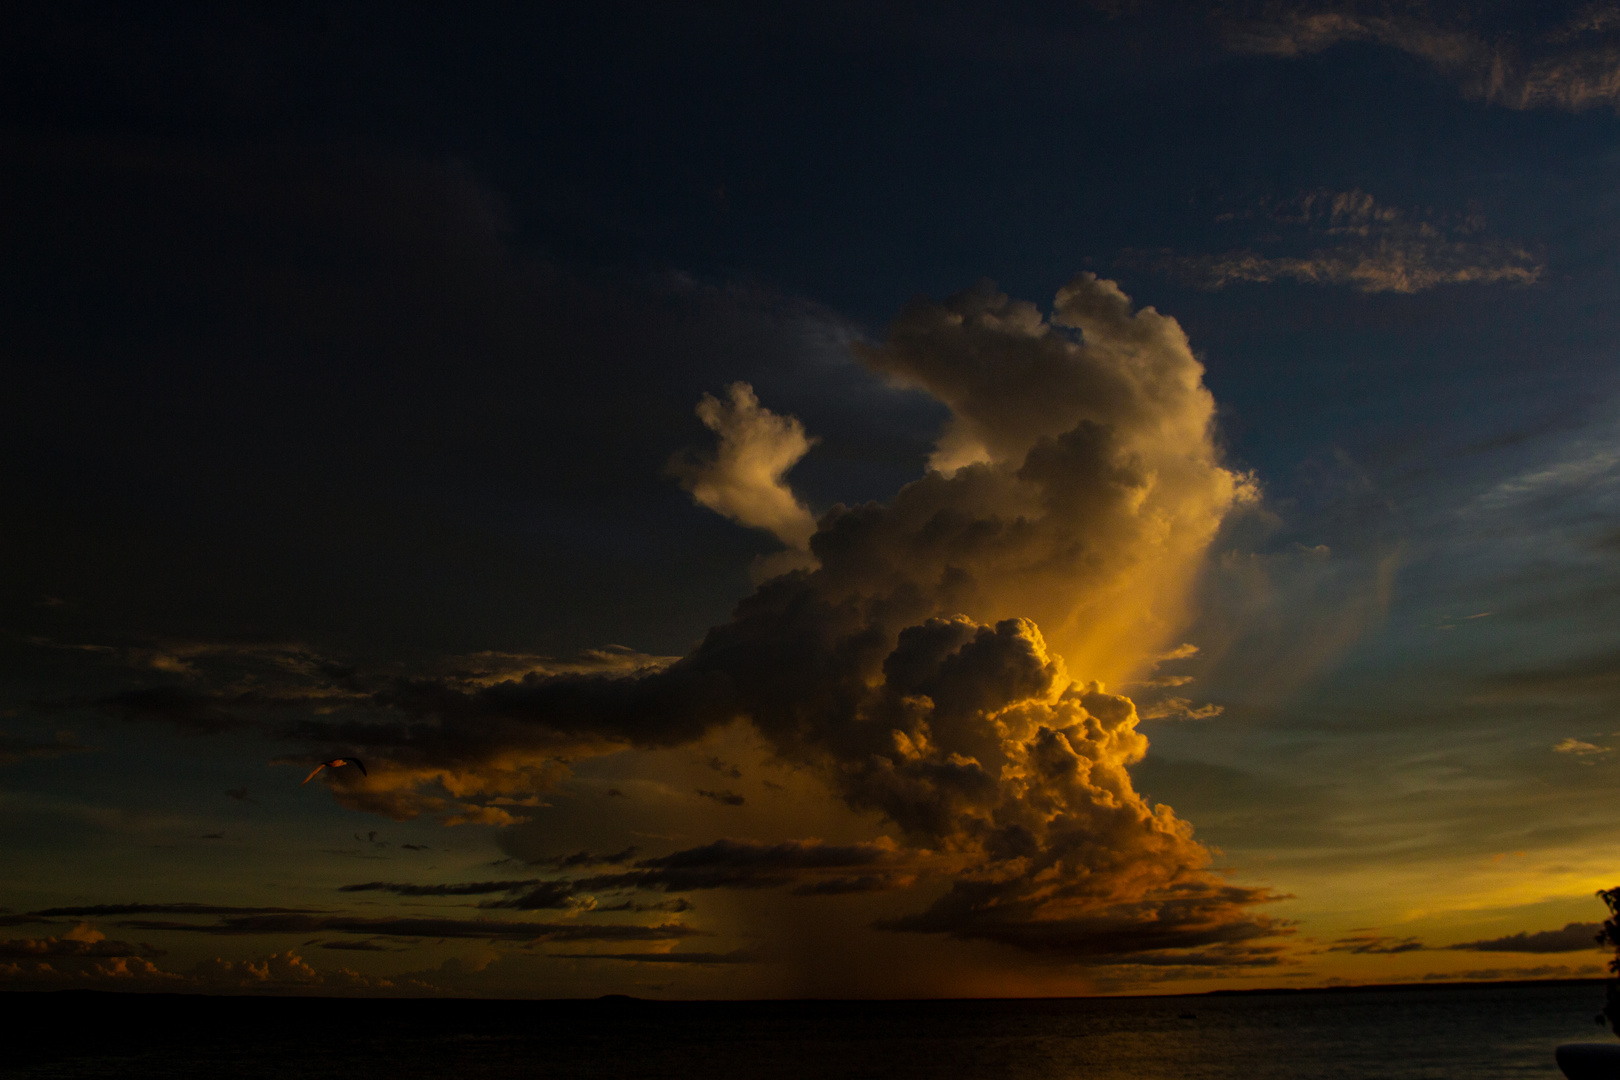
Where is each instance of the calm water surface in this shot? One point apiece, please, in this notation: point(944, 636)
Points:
point(1479, 1033)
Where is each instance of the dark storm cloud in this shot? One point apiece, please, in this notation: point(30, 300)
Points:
point(550, 896)
point(1574, 937)
point(1003, 911)
point(507, 738)
point(740, 956)
point(1076, 487)
point(676, 906)
point(356, 946)
point(473, 929)
point(842, 886)
point(470, 888)
point(1374, 944)
point(584, 859)
point(743, 864)
point(725, 798)
point(1198, 962)
point(724, 864)
point(725, 768)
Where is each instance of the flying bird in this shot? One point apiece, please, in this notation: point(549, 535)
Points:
point(337, 763)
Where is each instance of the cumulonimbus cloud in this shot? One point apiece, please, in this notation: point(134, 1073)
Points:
point(943, 663)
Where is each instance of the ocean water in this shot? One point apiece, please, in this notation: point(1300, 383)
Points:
point(1479, 1033)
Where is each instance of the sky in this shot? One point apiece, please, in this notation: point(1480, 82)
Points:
point(869, 500)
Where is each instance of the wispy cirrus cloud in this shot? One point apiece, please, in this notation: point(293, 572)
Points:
point(1552, 56)
point(1352, 240)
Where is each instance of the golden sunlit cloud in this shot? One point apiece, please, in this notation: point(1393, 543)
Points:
point(942, 662)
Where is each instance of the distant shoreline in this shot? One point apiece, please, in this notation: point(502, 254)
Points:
point(621, 1000)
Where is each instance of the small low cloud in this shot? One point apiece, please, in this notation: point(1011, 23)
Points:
point(743, 480)
point(1179, 708)
point(727, 798)
point(1576, 746)
point(724, 767)
point(1574, 937)
point(485, 815)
